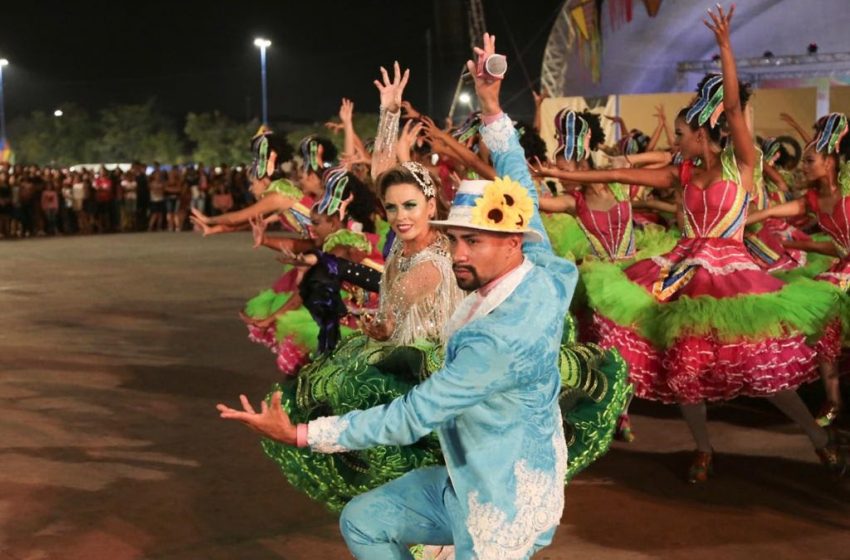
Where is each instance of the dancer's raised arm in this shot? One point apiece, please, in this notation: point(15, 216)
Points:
point(742, 140)
point(391, 91)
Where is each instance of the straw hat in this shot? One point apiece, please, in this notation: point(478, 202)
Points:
point(501, 206)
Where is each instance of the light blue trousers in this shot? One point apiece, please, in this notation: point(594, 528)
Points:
point(420, 507)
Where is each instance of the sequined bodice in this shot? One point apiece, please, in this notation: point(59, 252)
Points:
point(419, 307)
point(610, 233)
point(717, 210)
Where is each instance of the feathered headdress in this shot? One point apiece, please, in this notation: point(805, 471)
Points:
point(771, 148)
point(311, 152)
point(335, 180)
point(573, 133)
point(708, 106)
point(633, 143)
point(831, 129)
point(469, 128)
point(260, 152)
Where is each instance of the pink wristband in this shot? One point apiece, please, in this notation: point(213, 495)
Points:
point(301, 435)
point(490, 119)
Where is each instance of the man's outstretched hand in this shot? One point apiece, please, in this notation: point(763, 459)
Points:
point(486, 87)
point(272, 421)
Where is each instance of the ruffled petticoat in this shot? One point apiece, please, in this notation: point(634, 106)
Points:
point(834, 338)
point(292, 336)
point(704, 322)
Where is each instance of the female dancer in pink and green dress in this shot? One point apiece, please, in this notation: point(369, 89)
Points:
point(600, 216)
point(704, 322)
point(826, 164)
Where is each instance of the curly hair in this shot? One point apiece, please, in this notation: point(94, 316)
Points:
point(530, 140)
point(785, 151)
point(364, 205)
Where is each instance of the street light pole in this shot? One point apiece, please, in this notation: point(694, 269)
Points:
point(3, 62)
point(263, 44)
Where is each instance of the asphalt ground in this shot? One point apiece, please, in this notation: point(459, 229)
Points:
point(115, 349)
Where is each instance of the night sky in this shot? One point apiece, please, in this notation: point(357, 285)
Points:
point(199, 56)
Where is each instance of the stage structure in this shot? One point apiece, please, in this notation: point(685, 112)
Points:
point(477, 28)
point(602, 47)
point(617, 58)
point(789, 71)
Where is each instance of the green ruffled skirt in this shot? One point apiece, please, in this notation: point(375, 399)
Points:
point(362, 373)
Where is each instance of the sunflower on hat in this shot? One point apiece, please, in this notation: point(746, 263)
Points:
point(504, 206)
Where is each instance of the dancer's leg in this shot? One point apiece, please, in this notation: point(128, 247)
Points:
point(702, 464)
point(414, 509)
point(790, 403)
point(695, 417)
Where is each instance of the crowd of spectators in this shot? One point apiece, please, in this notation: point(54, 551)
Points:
point(36, 201)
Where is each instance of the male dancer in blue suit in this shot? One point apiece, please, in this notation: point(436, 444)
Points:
point(494, 404)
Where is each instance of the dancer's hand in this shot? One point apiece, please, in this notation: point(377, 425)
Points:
point(409, 110)
point(660, 114)
point(350, 160)
point(334, 127)
point(258, 230)
point(437, 137)
point(375, 328)
point(720, 24)
point(486, 88)
point(391, 90)
point(199, 217)
point(540, 169)
point(301, 259)
point(272, 421)
point(431, 128)
point(407, 139)
point(346, 111)
point(206, 229)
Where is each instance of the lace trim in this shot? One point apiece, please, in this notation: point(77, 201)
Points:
point(323, 434)
point(702, 263)
point(539, 505)
point(497, 136)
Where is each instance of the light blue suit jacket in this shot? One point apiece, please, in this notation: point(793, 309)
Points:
point(494, 404)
